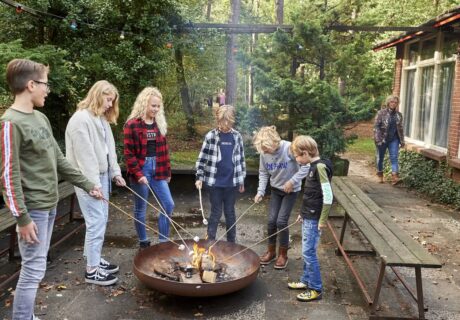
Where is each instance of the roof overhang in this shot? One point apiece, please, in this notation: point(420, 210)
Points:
point(442, 22)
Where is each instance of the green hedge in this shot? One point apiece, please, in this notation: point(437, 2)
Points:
point(428, 177)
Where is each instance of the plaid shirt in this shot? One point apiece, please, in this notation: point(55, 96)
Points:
point(210, 155)
point(135, 141)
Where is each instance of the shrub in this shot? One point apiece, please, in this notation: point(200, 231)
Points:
point(428, 177)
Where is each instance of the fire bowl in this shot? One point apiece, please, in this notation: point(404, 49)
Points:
point(242, 269)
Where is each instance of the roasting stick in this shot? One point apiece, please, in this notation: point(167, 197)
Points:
point(171, 220)
point(255, 244)
point(196, 239)
point(184, 244)
point(205, 221)
point(148, 227)
point(241, 216)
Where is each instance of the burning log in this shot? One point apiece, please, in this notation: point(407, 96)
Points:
point(209, 276)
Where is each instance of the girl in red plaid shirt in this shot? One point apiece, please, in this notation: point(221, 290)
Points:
point(147, 160)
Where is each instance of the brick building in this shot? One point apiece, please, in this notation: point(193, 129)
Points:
point(427, 80)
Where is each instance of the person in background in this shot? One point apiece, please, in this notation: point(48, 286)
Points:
point(389, 134)
point(316, 205)
point(147, 160)
point(221, 166)
point(30, 164)
point(278, 166)
point(90, 147)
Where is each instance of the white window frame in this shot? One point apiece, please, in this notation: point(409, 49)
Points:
point(435, 62)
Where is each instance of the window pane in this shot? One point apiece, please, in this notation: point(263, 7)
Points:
point(423, 114)
point(409, 102)
point(444, 103)
point(413, 53)
point(449, 47)
point(428, 48)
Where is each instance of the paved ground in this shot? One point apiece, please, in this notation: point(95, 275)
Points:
point(64, 295)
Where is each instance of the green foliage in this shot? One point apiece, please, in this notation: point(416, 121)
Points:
point(429, 177)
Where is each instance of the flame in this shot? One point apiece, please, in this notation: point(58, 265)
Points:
point(198, 256)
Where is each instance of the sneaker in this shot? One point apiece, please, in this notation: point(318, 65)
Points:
point(309, 295)
point(108, 267)
point(297, 285)
point(144, 244)
point(100, 277)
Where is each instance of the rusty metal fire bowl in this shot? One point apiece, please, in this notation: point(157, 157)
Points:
point(241, 270)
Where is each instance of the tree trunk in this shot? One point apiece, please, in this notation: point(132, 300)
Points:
point(291, 111)
point(279, 6)
point(208, 10)
point(251, 72)
point(184, 92)
point(231, 76)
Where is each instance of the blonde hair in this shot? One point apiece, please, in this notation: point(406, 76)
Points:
point(389, 99)
point(304, 144)
point(266, 137)
point(225, 115)
point(141, 104)
point(94, 101)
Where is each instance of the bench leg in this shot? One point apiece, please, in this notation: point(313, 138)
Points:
point(342, 233)
point(418, 281)
point(378, 287)
point(13, 240)
point(72, 207)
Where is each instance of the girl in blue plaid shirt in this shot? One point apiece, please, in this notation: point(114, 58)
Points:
point(221, 166)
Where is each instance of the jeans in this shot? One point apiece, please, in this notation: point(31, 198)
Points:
point(96, 214)
point(393, 149)
point(222, 198)
point(310, 239)
point(33, 264)
point(162, 193)
point(281, 204)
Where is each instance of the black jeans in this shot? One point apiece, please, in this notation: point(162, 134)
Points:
point(222, 198)
point(281, 204)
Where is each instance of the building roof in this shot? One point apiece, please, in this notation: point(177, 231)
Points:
point(442, 21)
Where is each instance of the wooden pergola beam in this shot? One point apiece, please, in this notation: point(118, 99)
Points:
point(238, 28)
point(381, 28)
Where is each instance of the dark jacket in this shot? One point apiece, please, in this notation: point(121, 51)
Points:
point(312, 204)
point(381, 125)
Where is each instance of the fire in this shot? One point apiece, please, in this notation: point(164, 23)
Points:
point(202, 259)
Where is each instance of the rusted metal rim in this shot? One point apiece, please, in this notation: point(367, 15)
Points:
point(244, 267)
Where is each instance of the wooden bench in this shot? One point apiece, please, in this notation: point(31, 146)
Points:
point(391, 244)
point(8, 222)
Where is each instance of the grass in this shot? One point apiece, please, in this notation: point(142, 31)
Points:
point(364, 146)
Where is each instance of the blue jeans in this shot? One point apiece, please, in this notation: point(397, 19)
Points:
point(310, 239)
point(163, 194)
point(33, 264)
point(222, 198)
point(96, 214)
point(281, 205)
point(393, 149)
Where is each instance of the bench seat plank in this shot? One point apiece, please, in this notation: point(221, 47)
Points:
point(426, 259)
point(370, 228)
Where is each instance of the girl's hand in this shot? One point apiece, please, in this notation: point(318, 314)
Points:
point(258, 198)
point(143, 180)
point(198, 184)
point(241, 189)
point(288, 187)
point(119, 181)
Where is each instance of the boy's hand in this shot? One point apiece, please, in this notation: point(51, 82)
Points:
point(321, 226)
point(96, 193)
point(28, 233)
point(168, 180)
point(143, 180)
point(241, 188)
point(299, 218)
point(288, 187)
point(198, 184)
point(119, 181)
point(258, 198)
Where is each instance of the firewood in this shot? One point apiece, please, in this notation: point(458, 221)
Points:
point(165, 274)
point(194, 279)
point(209, 276)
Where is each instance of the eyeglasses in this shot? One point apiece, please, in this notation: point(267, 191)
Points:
point(48, 86)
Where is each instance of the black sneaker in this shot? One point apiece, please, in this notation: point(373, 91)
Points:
point(108, 267)
point(144, 244)
point(100, 277)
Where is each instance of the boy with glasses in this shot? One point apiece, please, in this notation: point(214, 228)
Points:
point(31, 163)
